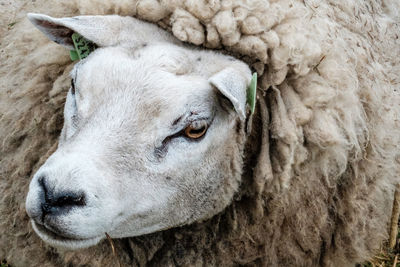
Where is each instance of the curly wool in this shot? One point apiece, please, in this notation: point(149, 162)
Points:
point(322, 160)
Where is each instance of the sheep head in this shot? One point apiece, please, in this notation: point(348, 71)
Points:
point(152, 139)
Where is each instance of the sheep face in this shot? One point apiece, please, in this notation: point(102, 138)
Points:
point(152, 137)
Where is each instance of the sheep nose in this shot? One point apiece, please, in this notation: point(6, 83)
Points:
point(55, 203)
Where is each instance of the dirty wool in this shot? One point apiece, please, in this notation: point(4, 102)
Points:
point(322, 161)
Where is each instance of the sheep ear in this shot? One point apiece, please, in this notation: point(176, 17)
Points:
point(233, 85)
point(101, 30)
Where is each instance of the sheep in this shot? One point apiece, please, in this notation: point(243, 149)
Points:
point(321, 159)
point(146, 143)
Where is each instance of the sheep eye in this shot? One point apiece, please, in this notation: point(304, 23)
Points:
point(196, 130)
point(72, 87)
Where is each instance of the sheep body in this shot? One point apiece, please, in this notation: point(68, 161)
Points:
point(323, 157)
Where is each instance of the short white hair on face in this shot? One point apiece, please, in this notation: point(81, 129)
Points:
point(147, 137)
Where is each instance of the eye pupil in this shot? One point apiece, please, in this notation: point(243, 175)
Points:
point(195, 133)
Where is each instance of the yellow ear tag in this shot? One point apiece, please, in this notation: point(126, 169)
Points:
point(251, 93)
point(83, 47)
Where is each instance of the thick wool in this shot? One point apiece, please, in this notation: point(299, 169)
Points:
point(322, 159)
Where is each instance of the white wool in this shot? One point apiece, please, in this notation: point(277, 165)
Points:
point(329, 71)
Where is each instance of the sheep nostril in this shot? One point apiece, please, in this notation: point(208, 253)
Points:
point(70, 199)
point(42, 184)
point(62, 203)
point(57, 202)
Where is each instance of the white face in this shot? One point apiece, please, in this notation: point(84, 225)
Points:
point(147, 144)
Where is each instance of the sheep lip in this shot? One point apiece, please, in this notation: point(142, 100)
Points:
point(55, 233)
point(61, 241)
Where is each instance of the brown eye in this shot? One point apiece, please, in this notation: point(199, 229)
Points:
point(196, 130)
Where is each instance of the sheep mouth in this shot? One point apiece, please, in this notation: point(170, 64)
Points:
point(58, 240)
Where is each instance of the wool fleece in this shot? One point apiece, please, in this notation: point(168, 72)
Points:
point(322, 160)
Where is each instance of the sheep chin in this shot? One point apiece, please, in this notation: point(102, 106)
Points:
point(63, 242)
